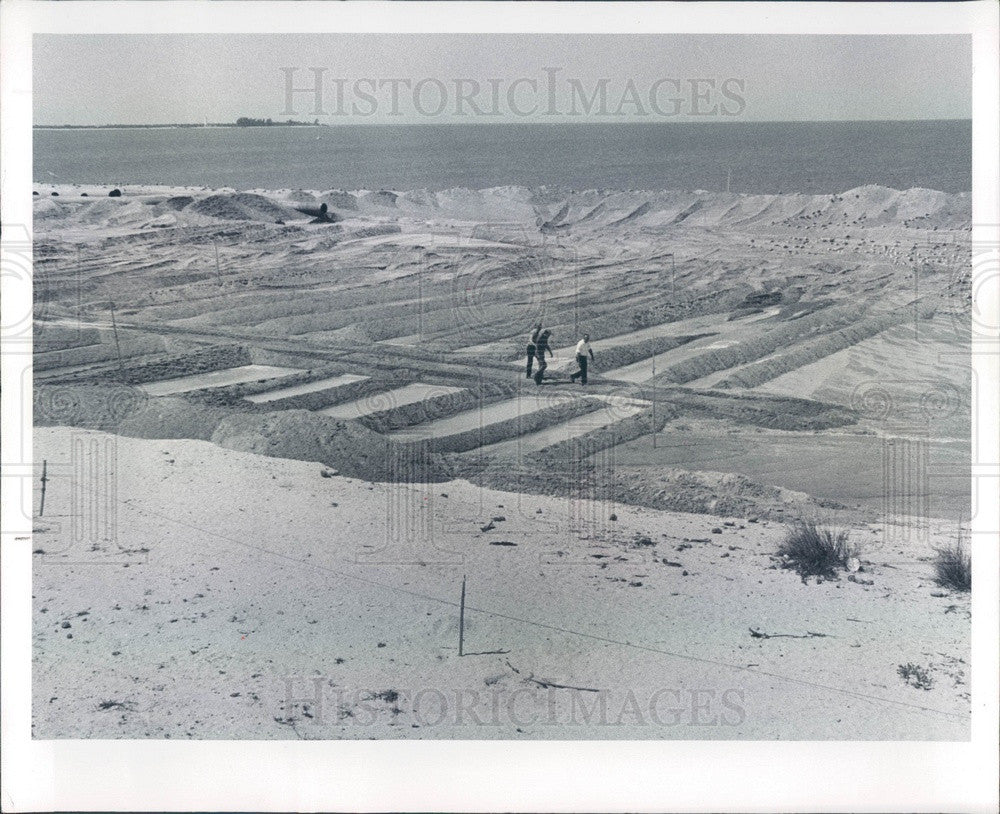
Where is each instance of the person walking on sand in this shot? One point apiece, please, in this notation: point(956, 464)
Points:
point(582, 350)
point(532, 339)
point(541, 346)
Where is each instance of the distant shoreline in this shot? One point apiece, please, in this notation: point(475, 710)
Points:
point(494, 124)
point(139, 190)
point(210, 126)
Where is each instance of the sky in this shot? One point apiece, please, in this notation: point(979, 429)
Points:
point(447, 78)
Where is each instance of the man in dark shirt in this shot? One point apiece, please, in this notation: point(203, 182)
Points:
point(541, 346)
point(532, 339)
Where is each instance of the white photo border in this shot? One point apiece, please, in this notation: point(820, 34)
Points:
point(476, 775)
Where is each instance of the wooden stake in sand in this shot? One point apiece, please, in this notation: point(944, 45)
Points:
point(654, 403)
point(576, 302)
point(45, 480)
point(461, 619)
point(118, 347)
point(420, 303)
point(79, 283)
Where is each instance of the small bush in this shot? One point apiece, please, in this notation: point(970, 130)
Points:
point(815, 551)
point(953, 567)
point(915, 676)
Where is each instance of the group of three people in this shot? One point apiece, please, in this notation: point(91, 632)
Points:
point(538, 346)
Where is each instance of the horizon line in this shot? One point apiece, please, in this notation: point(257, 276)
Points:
point(452, 122)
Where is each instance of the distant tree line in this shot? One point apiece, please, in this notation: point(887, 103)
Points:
point(246, 121)
point(243, 121)
point(120, 126)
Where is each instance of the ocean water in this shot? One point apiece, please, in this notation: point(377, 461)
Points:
point(764, 157)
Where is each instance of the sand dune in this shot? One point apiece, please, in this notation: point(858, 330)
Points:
point(873, 205)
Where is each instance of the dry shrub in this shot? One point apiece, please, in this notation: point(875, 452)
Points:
point(816, 551)
point(953, 567)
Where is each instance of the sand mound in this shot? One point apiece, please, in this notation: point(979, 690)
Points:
point(337, 199)
point(172, 417)
point(380, 198)
point(109, 212)
point(124, 410)
point(46, 208)
point(242, 206)
point(713, 493)
point(669, 489)
point(417, 199)
point(488, 205)
point(350, 448)
point(301, 196)
point(95, 407)
point(178, 202)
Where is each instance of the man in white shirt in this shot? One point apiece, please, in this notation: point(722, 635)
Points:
point(582, 350)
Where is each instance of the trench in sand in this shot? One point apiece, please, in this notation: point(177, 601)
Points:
point(482, 416)
point(388, 399)
point(331, 383)
point(713, 322)
point(724, 334)
point(217, 378)
point(615, 409)
point(645, 369)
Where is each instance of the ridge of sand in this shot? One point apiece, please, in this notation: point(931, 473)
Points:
point(165, 205)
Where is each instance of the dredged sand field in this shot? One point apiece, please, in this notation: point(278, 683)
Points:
point(375, 358)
